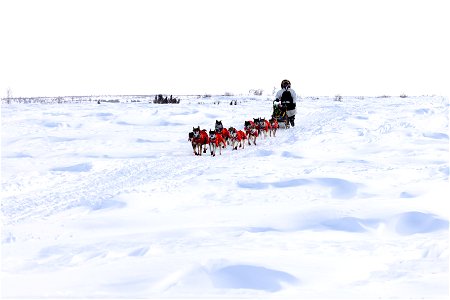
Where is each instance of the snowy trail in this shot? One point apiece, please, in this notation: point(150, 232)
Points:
point(95, 190)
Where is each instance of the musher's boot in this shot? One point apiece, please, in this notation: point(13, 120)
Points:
point(291, 120)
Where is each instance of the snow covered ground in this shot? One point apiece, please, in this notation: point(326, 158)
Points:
point(108, 201)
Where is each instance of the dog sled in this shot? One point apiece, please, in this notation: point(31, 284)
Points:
point(280, 113)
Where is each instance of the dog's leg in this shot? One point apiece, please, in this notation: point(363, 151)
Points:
point(196, 149)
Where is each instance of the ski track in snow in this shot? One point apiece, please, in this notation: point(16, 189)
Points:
point(92, 191)
point(102, 189)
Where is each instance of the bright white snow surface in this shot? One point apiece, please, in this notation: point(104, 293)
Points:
point(108, 201)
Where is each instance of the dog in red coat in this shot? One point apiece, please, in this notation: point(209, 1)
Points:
point(199, 140)
point(263, 126)
point(226, 136)
point(251, 131)
point(223, 131)
point(274, 126)
point(237, 137)
point(216, 140)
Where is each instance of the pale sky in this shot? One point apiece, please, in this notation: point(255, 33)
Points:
point(324, 47)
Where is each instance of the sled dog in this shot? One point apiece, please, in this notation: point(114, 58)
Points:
point(251, 131)
point(199, 140)
point(263, 126)
point(237, 137)
point(216, 140)
point(223, 131)
point(273, 126)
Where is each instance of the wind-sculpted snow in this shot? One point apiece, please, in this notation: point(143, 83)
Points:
point(60, 139)
point(19, 155)
point(418, 222)
point(108, 201)
point(436, 135)
point(83, 167)
point(251, 277)
point(349, 224)
point(407, 223)
point(340, 188)
point(406, 195)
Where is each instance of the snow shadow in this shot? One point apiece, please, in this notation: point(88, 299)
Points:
point(349, 224)
point(407, 223)
point(103, 115)
point(125, 123)
point(58, 139)
point(260, 229)
point(444, 170)
point(19, 155)
point(106, 204)
point(57, 114)
point(253, 185)
point(139, 251)
point(288, 154)
point(422, 111)
point(263, 152)
point(51, 124)
point(436, 135)
point(406, 195)
point(278, 184)
point(251, 277)
point(84, 167)
point(167, 123)
point(340, 188)
point(139, 140)
point(413, 222)
point(291, 183)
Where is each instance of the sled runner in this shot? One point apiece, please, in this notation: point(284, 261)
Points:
point(279, 113)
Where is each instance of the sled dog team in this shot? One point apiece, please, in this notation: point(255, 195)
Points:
point(220, 137)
